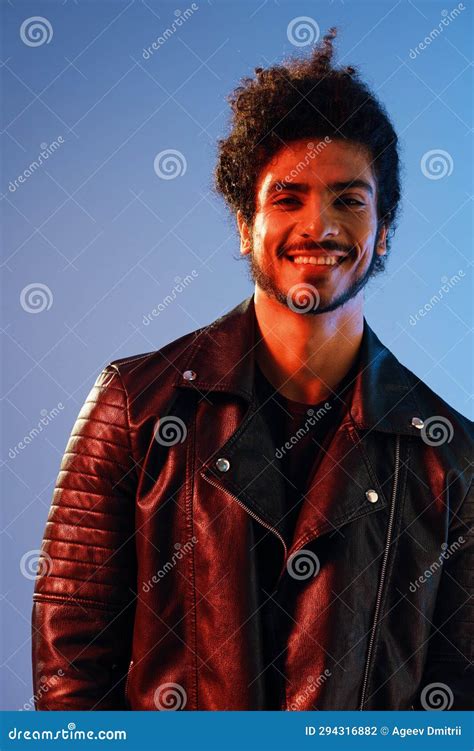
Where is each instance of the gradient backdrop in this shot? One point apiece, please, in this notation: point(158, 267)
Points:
point(97, 235)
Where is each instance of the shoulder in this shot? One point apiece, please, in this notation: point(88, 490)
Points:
point(147, 379)
point(159, 366)
point(160, 362)
point(447, 434)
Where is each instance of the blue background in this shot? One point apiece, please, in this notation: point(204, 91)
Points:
point(109, 238)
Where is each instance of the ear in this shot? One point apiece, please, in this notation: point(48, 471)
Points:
point(245, 235)
point(381, 248)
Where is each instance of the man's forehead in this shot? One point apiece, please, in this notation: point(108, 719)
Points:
point(299, 165)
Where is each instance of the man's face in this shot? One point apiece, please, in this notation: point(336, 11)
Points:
point(305, 206)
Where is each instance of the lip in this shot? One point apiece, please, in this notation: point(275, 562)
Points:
point(312, 268)
point(316, 254)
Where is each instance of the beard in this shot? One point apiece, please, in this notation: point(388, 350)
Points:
point(267, 284)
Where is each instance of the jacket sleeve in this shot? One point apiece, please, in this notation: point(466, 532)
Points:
point(84, 593)
point(448, 678)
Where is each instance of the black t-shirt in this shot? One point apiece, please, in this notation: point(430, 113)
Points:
point(302, 433)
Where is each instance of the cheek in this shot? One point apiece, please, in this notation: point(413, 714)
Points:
point(270, 230)
point(363, 231)
point(361, 219)
point(364, 252)
point(259, 231)
point(364, 246)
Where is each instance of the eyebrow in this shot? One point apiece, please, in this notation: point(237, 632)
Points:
point(279, 185)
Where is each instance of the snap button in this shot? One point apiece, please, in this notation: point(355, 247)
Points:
point(189, 375)
point(372, 496)
point(222, 464)
point(417, 422)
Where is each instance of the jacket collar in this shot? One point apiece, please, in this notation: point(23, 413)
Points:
point(222, 358)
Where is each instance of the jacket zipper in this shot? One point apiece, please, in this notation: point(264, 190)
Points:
point(126, 682)
point(254, 515)
point(267, 526)
point(382, 574)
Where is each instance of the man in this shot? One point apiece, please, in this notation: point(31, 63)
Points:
point(270, 512)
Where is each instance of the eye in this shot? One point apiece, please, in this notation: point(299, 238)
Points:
point(349, 202)
point(288, 201)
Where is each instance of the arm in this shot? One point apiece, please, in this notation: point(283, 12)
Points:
point(450, 659)
point(83, 601)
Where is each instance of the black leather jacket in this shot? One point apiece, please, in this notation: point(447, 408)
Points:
point(147, 598)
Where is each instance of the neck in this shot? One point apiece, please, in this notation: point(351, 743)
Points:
point(304, 356)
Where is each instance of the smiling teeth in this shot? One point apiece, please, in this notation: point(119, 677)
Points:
point(316, 260)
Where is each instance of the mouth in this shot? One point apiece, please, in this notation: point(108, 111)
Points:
point(322, 260)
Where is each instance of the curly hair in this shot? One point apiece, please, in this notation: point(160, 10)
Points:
point(306, 98)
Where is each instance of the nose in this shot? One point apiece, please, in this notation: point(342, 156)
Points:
point(320, 224)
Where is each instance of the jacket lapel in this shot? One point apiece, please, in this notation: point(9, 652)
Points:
point(222, 359)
